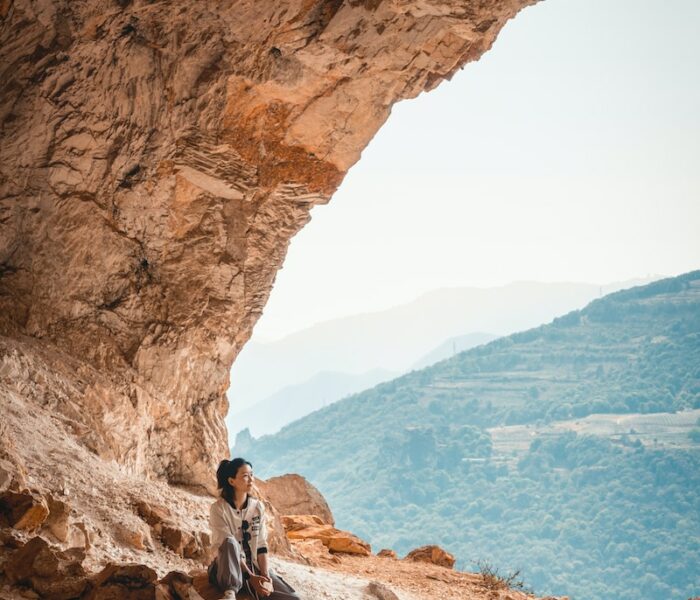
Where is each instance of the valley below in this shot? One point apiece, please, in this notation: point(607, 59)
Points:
point(569, 453)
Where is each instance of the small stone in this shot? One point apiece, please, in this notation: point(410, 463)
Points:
point(381, 592)
point(58, 518)
point(79, 536)
point(432, 554)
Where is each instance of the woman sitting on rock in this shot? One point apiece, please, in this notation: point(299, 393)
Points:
point(238, 529)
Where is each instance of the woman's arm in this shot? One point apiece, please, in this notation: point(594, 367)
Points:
point(262, 563)
point(262, 543)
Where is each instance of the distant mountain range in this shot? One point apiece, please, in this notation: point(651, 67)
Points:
point(452, 346)
point(570, 451)
point(396, 340)
point(296, 401)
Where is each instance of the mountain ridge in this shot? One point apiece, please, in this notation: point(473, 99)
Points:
point(395, 339)
point(421, 445)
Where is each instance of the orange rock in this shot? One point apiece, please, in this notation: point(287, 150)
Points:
point(293, 495)
point(387, 553)
point(176, 539)
point(432, 554)
point(297, 522)
point(304, 527)
point(133, 536)
point(347, 543)
point(20, 567)
point(153, 514)
point(25, 510)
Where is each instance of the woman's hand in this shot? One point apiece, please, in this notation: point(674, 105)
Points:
point(262, 585)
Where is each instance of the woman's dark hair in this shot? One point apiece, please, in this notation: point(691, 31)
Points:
point(229, 468)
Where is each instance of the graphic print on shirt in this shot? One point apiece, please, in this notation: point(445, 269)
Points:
point(255, 526)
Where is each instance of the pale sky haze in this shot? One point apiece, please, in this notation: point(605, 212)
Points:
point(569, 152)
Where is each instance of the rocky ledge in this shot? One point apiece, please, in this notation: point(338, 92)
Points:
point(327, 562)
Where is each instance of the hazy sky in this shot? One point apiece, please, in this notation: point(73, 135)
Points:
point(569, 152)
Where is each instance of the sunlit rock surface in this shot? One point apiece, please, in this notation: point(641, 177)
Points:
point(293, 495)
point(157, 158)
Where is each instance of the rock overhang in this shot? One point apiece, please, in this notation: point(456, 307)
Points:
point(157, 159)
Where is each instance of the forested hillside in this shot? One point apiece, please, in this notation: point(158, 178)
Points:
point(593, 515)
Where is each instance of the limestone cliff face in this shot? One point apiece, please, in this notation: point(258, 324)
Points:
point(156, 159)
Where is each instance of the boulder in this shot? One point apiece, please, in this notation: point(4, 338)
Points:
point(176, 539)
point(187, 544)
point(58, 520)
point(51, 573)
point(432, 554)
point(134, 536)
point(297, 522)
point(305, 527)
point(386, 553)
point(60, 588)
point(293, 495)
point(124, 582)
point(153, 514)
point(26, 510)
point(347, 543)
point(180, 586)
point(381, 591)
point(20, 567)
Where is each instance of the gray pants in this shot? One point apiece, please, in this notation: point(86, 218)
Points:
point(227, 574)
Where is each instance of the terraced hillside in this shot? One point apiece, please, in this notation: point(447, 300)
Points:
point(531, 451)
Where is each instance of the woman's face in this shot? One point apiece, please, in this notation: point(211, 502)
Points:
point(243, 481)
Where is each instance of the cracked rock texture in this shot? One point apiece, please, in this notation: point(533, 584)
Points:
point(156, 159)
